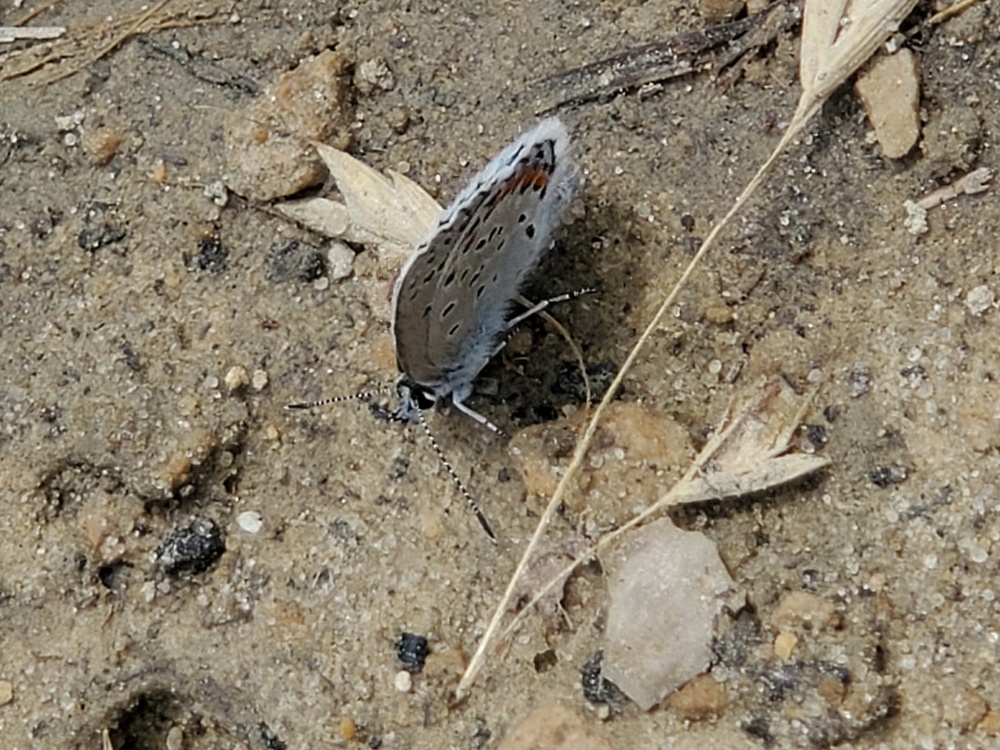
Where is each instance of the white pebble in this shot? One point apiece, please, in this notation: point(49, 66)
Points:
point(979, 300)
point(260, 380)
point(340, 259)
point(237, 377)
point(250, 521)
point(403, 681)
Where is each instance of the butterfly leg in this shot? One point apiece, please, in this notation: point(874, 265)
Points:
point(468, 411)
point(535, 309)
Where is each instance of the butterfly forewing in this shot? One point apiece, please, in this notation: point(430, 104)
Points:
point(451, 300)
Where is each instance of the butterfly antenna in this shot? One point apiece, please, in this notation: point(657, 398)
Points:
point(473, 506)
point(360, 396)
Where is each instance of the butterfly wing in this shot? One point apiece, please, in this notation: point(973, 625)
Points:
point(451, 299)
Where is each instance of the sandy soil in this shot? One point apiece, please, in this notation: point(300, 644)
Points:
point(119, 323)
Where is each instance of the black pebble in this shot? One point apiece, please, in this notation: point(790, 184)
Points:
point(412, 651)
point(191, 549)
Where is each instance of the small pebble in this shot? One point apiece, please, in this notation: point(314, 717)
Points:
point(890, 92)
point(347, 729)
point(403, 681)
point(260, 380)
point(784, 645)
point(802, 610)
point(374, 74)
point(979, 300)
point(175, 738)
point(101, 145)
point(6, 692)
point(236, 377)
point(717, 11)
point(701, 699)
point(340, 260)
point(250, 521)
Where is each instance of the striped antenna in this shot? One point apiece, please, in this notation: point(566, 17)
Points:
point(360, 396)
point(473, 506)
point(381, 412)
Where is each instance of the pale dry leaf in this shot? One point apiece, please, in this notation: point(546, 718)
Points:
point(390, 214)
point(754, 455)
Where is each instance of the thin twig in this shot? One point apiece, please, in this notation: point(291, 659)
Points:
point(110, 46)
point(36, 12)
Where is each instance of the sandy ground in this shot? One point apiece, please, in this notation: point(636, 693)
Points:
point(119, 323)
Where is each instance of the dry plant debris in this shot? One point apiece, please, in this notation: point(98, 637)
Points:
point(837, 38)
point(10, 34)
point(752, 451)
point(976, 181)
point(973, 183)
point(388, 214)
point(661, 61)
point(86, 44)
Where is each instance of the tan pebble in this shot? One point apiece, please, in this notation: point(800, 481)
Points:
point(831, 690)
point(961, 706)
point(196, 447)
point(718, 314)
point(890, 92)
point(716, 11)
point(6, 692)
point(101, 145)
point(784, 645)
point(990, 724)
point(267, 144)
point(236, 377)
point(702, 699)
point(159, 172)
point(347, 729)
point(554, 727)
point(802, 610)
point(259, 380)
